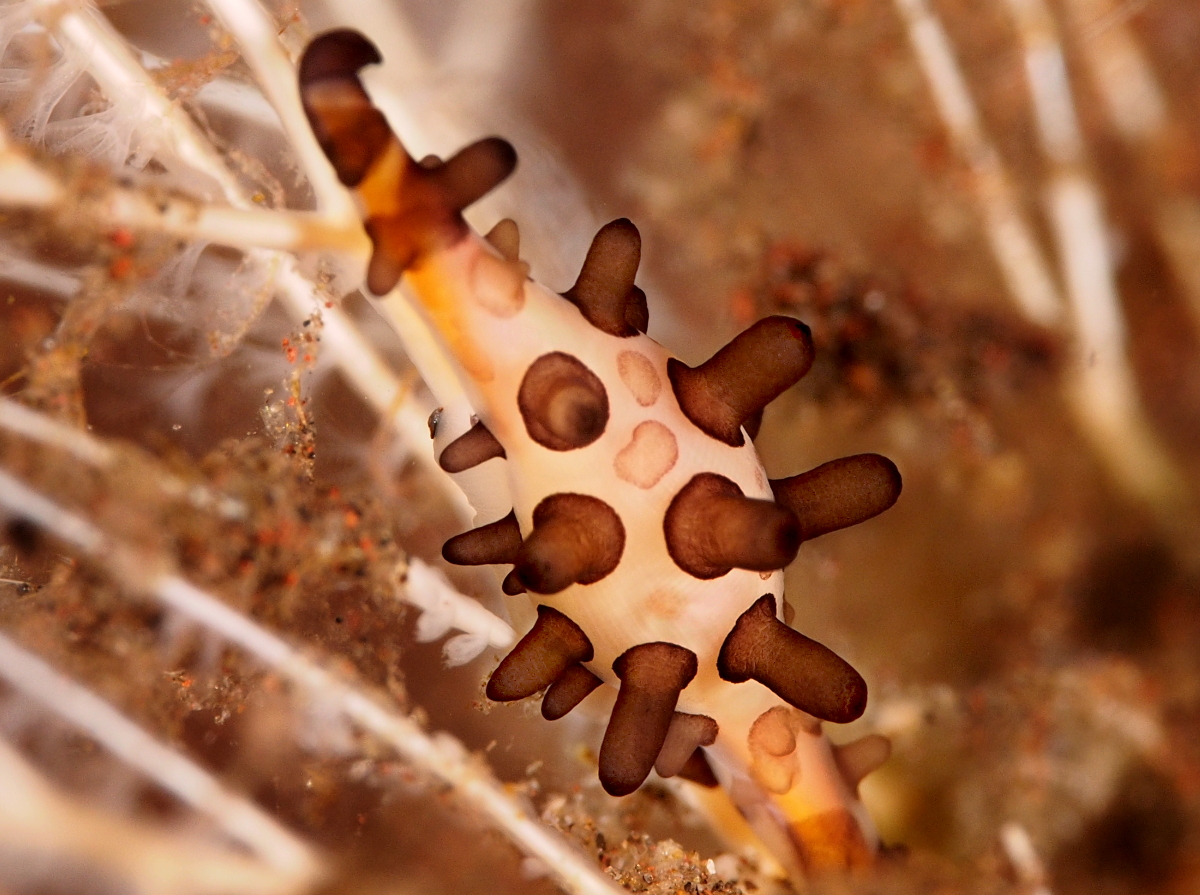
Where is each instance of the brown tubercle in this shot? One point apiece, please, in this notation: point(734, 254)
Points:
point(753, 424)
point(476, 445)
point(637, 312)
point(697, 770)
point(839, 493)
point(496, 542)
point(732, 387)
point(564, 404)
point(349, 129)
point(711, 527)
point(686, 734)
point(511, 585)
point(412, 208)
point(652, 677)
point(604, 291)
point(576, 539)
point(571, 688)
point(802, 672)
point(553, 645)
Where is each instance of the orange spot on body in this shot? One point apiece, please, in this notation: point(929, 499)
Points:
point(638, 373)
point(120, 268)
point(650, 454)
point(438, 290)
point(666, 603)
point(831, 840)
point(497, 285)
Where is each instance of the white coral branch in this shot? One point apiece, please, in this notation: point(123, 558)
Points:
point(47, 837)
point(1022, 263)
point(1104, 389)
point(439, 755)
point(26, 184)
point(47, 431)
point(1018, 847)
point(236, 816)
point(85, 31)
point(1136, 105)
point(258, 37)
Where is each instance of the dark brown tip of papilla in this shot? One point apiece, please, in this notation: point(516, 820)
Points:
point(473, 172)
point(571, 688)
point(753, 424)
point(476, 445)
point(604, 291)
point(697, 770)
point(637, 313)
point(553, 644)
point(336, 54)
point(797, 669)
point(686, 734)
point(727, 390)
point(505, 238)
point(496, 542)
point(352, 132)
point(511, 585)
point(839, 493)
point(711, 527)
point(652, 677)
point(564, 404)
point(576, 539)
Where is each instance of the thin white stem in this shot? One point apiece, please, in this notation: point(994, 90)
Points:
point(52, 836)
point(439, 755)
point(53, 433)
point(238, 99)
point(1102, 392)
point(24, 184)
point(1127, 84)
point(1022, 263)
point(1019, 848)
point(239, 818)
point(258, 37)
point(370, 375)
point(45, 430)
point(107, 57)
point(1177, 223)
point(35, 275)
point(121, 77)
point(1137, 107)
point(1105, 390)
